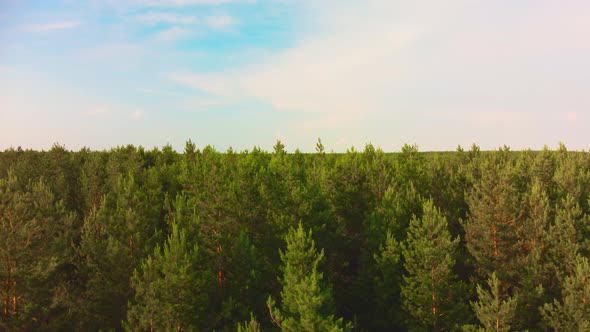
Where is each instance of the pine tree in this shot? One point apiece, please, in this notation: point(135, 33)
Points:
point(168, 294)
point(494, 311)
point(563, 238)
point(572, 313)
point(107, 267)
point(495, 217)
point(305, 301)
point(432, 296)
point(130, 218)
point(543, 170)
point(210, 188)
point(62, 174)
point(571, 177)
point(535, 276)
point(250, 326)
point(319, 147)
point(244, 287)
point(93, 179)
point(350, 198)
point(387, 288)
point(279, 147)
point(116, 237)
point(35, 237)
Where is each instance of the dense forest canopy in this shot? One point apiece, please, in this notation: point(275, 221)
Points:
point(136, 239)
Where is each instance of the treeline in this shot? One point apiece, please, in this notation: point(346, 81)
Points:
point(135, 239)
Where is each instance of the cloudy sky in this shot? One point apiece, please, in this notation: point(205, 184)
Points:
point(244, 73)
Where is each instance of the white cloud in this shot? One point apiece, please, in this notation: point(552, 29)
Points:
point(213, 84)
point(500, 118)
point(342, 142)
point(179, 3)
point(183, 26)
point(340, 69)
point(158, 92)
point(114, 55)
point(572, 116)
point(202, 104)
point(168, 18)
point(330, 120)
point(386, 68)
point(45, 27)
point(220, 22)
point(136, 114)
point(279, 136)
point(402, 62)
point(99, 111)
point(172, 34)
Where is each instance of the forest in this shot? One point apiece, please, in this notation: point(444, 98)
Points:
point(130, 239)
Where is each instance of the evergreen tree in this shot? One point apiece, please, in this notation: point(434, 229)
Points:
point(535, 278)
point(523, 215)
point(495, 217)
point(107, 267)
point(279, 147)
point(319, 147)
point(306, 303)
point(432, 296)
point(93, 179)
point(35, 242)
point(543, 170)
point(351, 197)
point(115, 239)
point(62, 172)
point(388, 314)
point(250, 326)
point(244, 286)
point(168, 288)
point(562, 237)
point(494, 311)
point(571, 177)
point(572, 312)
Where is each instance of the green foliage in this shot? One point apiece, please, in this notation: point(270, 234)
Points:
point(305, 300)
point(108, 266)
point(494, 310)
point(431, 293)
point(115, 238)
point(572, 311)
point(564, 245)
point(538, 277)
point(319, 147)
point(251, 326)
point(243, 280)
point(35, 237)
point(495, 217)
point(279, 147)
point(92, 240)
point(388, 281)
point(168, 288)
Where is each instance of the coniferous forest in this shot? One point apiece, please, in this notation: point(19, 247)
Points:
point(204, 240)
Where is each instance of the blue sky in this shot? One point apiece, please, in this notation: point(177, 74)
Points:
point(244, 73)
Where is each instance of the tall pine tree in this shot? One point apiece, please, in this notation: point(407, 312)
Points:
point(306, 302)
point(387, 286)
point(572, 312)
point(494, 310)
point(431, 293)
point(35, 242)
point(495, 217)
point(168, 288)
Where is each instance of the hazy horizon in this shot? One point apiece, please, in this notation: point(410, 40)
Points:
point(244, 73)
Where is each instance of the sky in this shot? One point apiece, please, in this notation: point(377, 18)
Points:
point(244, 73)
